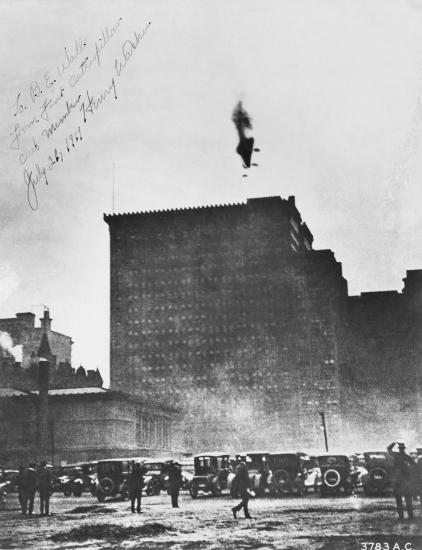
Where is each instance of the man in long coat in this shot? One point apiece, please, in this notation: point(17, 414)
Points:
point(242, 484)
point(135, 483)
point(29, 488)
point(44, 488)
point(175, 482)
point(403, 470)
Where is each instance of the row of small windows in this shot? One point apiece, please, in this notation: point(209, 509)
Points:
point(200, 328)
point(235, 301)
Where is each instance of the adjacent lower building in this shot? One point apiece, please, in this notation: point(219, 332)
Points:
point(84, 424)
point(381, 384)
point(53, 412)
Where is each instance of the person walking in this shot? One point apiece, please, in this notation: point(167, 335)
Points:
point(175, 482)
point(402, 476)
point(29, 488)
point(135, 484)
point(44, 487)
point(242, 484)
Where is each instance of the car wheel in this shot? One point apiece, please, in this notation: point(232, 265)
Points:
point(193, 491)
point(67, 492)
point(77, 492)
point(107, 486)
point(149, 490)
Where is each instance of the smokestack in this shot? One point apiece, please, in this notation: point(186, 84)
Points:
point(44, 355)
point(46, 320)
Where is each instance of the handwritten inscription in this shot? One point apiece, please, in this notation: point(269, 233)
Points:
point(49, 113)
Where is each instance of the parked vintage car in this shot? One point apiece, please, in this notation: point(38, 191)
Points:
point(289, 472)
point(112, 477)
point(335, 474)
point(157, 479)
point(259, 472)
point(377, 480)
point(68, 480)
point(211, 471)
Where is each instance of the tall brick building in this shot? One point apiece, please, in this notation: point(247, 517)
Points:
point(228, 312)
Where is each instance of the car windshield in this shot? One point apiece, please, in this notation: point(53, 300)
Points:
point(109, 467)
point(204, 465)
point(284, 461)
point(154, 465)
point(333, 460)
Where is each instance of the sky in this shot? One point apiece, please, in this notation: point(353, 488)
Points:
point(334, 90)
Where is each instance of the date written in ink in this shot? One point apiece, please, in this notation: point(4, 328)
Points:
point(71, 140)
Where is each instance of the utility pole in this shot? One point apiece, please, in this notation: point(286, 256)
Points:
point(52, 441)
point(324, 428)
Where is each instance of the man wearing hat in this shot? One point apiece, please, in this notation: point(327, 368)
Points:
point(29, 488)
point(175, 482)
point(242, 484)
point(135, 483)
point(403, 466)
point(44, 487)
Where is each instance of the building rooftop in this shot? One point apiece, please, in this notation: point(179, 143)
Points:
point(76, 391)
point(11, 392)
point(260, 201)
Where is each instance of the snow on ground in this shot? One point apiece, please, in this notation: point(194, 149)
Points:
point(310, 523)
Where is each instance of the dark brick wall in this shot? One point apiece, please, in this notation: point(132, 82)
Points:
point(381, 371)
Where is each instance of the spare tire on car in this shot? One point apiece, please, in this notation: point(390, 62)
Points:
point(332, 478)
point(106, 485)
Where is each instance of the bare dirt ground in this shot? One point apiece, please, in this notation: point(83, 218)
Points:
point(310, 523)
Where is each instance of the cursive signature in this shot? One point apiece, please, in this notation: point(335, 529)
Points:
point(128, 48)
point(92, 104)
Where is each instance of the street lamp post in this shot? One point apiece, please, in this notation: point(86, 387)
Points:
point(324, 428)
point(52, 441)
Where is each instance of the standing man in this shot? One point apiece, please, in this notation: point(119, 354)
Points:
point(20, 482)
point(29, 488)
point(242, 484)
point(135, 483)
point(402, 478)
point(44, 487)
point(175, 482)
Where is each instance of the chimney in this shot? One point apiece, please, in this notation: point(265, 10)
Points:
point(44, 357)
point(46, 320)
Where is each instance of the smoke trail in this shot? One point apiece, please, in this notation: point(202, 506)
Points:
point(241, 120)
point(6, 343)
